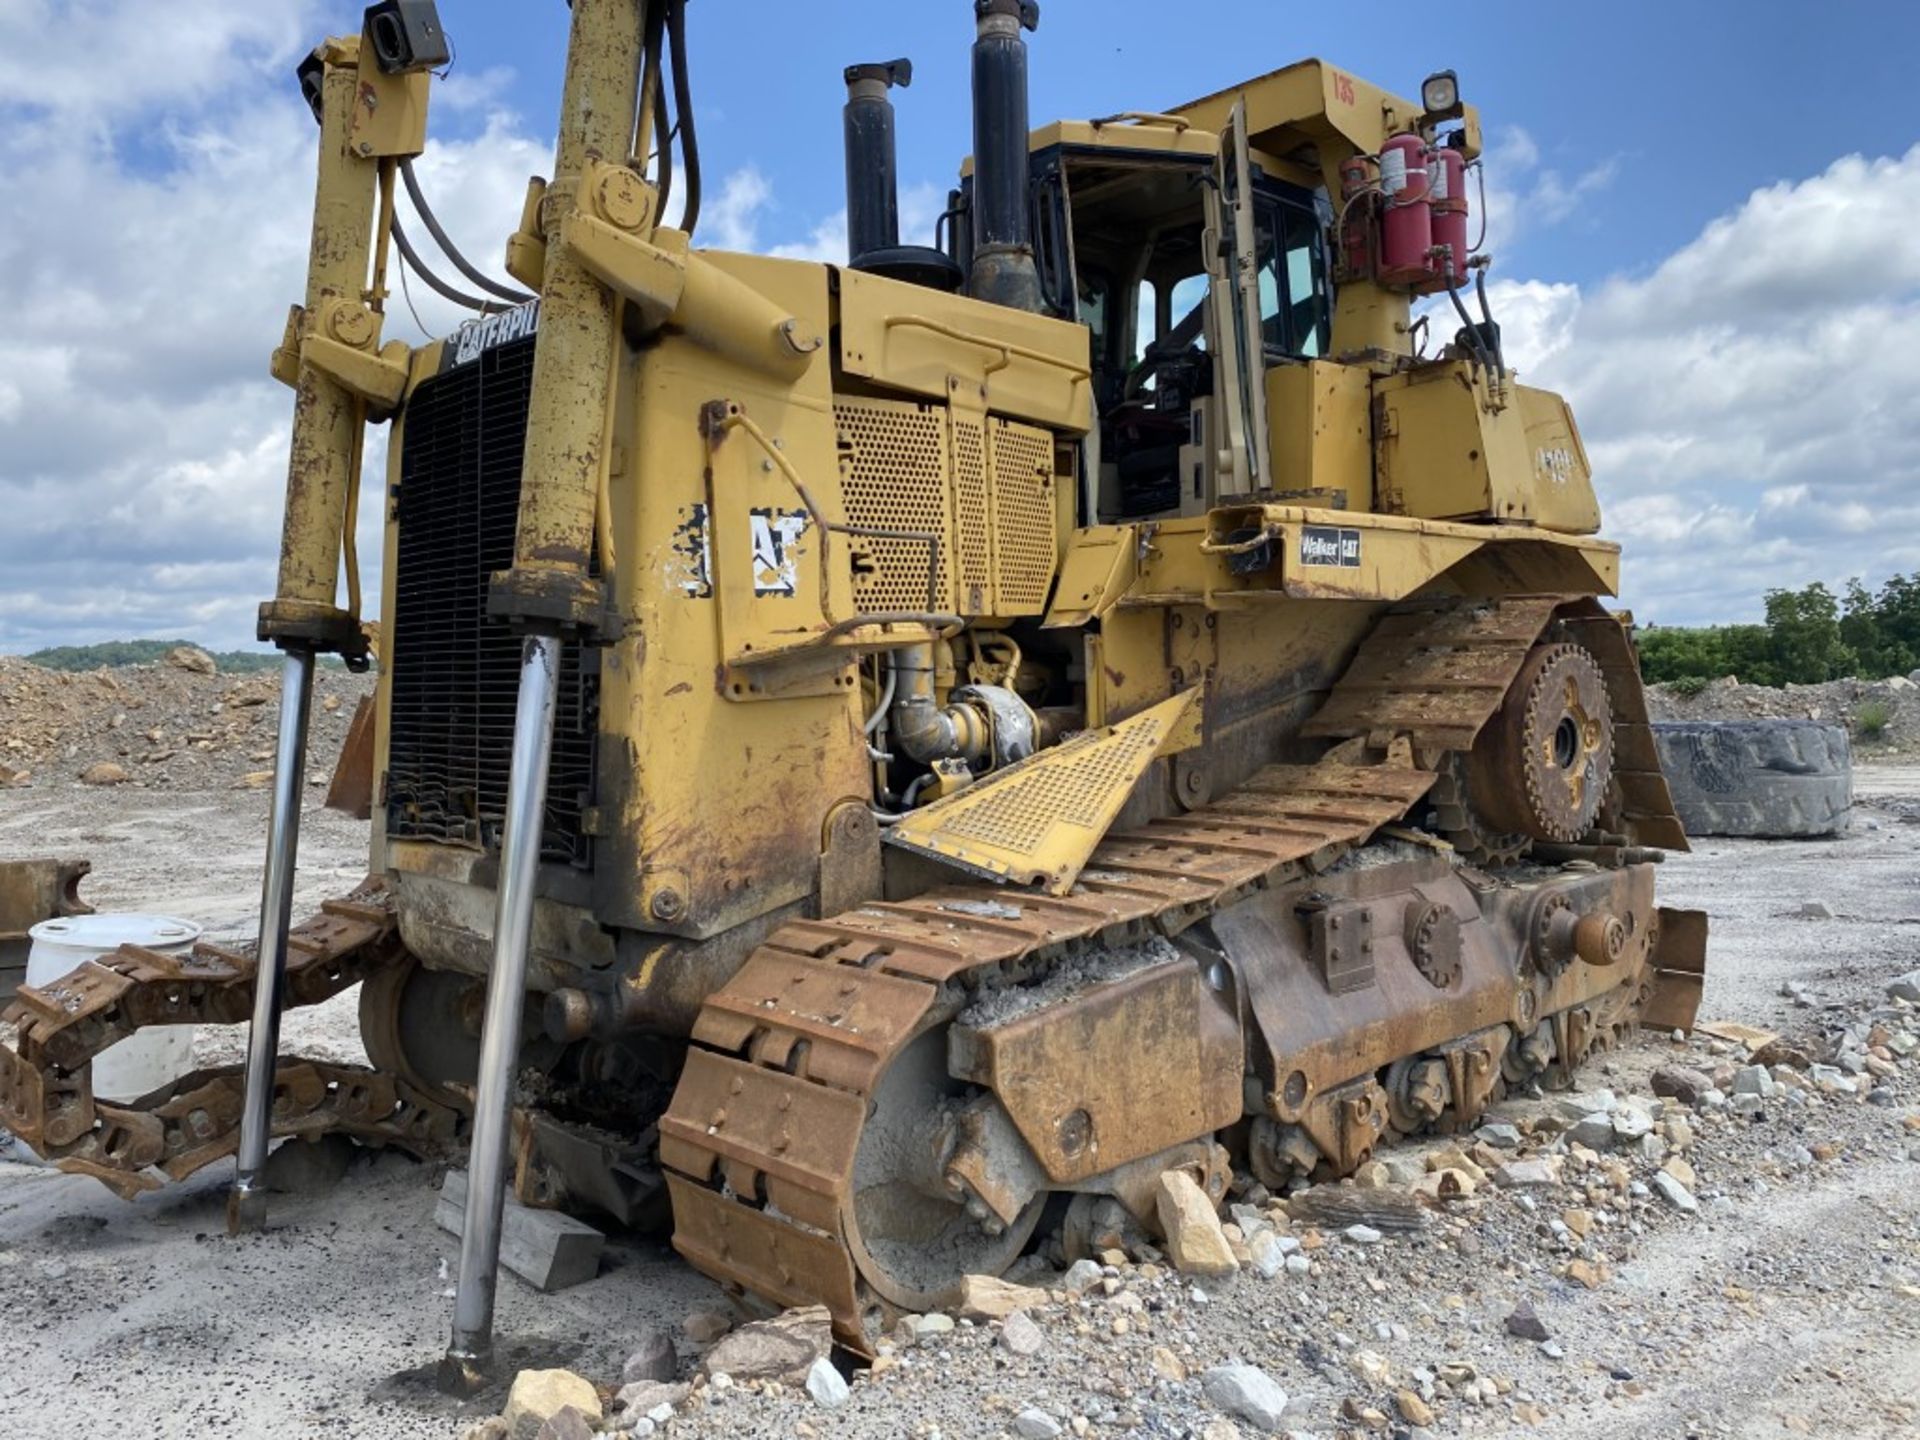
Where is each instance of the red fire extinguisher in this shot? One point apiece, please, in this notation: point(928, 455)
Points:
point(1447, 172)
point(1406, 227)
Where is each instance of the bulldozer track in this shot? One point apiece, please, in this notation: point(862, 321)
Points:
point(46, 1089)
point(759, 1144)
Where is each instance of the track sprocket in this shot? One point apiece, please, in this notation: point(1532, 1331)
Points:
point(1542, 765)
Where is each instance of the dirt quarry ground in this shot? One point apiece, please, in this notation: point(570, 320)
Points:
point(1786, 1303)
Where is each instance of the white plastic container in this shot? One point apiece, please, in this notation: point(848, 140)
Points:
point(156, 1055)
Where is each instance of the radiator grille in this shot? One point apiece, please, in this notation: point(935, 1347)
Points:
point(455, 672)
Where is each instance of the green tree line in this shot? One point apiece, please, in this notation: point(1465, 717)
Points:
point(146, 652)
point(1808, 636)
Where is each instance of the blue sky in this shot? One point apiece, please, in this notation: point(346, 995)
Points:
point(1705, 218)
point(1696, 104)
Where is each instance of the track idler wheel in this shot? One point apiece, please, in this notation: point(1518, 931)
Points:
point(1542, 765)
point(424, 1026)
point(915, 1237)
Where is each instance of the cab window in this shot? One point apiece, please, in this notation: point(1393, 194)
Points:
point(1294, 303)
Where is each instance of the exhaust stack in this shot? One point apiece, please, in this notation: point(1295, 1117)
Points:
point(1003, 267)
point(873, 197)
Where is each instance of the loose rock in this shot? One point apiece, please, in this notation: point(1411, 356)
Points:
point(1031, 1424)
point(652, 1357)
point(987, 1297)
point(538, 1395)
point(190, 658)
point(1247, 1393)
point(1413, 1409)
point(1081, 1277)
point(1020, 1336)
point(1682, 1083)
point(703, 1327)
point(643, 1397)
point(1673, 1192)
point(783, 1348)
point(1525, 1174)
point(567, 1424)
point(1195, 1242)
point(1527, 1325)
point(826, 1385)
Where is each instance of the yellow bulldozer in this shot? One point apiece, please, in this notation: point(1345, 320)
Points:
point(876, 763)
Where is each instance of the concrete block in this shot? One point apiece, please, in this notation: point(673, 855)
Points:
point(548, 1250)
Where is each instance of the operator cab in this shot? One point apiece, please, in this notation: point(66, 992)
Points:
point(1121, 239)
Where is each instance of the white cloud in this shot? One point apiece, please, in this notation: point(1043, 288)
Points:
point(747, 203)
point(97, 60)
point(1523, 197)
point(170, 161)
point(1748, 404)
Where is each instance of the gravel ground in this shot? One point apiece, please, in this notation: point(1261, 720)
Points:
point(1788, 1304)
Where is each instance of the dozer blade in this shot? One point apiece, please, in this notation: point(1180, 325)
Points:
point(1040, 820)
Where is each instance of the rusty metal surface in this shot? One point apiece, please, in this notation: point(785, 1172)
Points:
point(1542, 765)
point(1428, 1028)
point(1680, 969)
point(829, 1004)
point(351, 791)
point(1644, 810)
point(32, 891)
point(1081, 1114)
point(1434, 672)
point(46, 1092)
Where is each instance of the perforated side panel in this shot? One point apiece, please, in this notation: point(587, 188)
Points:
point(972, 521)
point(1025, 546)
point(1073, 790)
point(893, 474)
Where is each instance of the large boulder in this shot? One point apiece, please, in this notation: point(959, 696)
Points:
point(192, 659)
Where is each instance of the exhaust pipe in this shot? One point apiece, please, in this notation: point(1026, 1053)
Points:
point(873, 197)
point(1003, 266)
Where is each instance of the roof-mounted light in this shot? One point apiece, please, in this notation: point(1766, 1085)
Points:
point(1440, 92)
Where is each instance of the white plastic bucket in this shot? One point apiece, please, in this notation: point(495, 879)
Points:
point(144, 1061)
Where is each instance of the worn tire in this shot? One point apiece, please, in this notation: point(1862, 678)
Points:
point(1765, 778)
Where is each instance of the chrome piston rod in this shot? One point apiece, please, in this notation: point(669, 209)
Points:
point(470, 1351)
point(247, 1202)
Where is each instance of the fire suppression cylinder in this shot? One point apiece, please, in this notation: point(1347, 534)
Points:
point(1406, 227)
point(1447, 183)
point(1357, 178)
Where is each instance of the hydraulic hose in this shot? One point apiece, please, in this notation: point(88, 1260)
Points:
point(683, 108)
point(452, 252)
point(1468, 328)
point(440, 287)
point(1493, 335)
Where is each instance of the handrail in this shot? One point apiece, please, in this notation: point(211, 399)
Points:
point(1007, 348)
